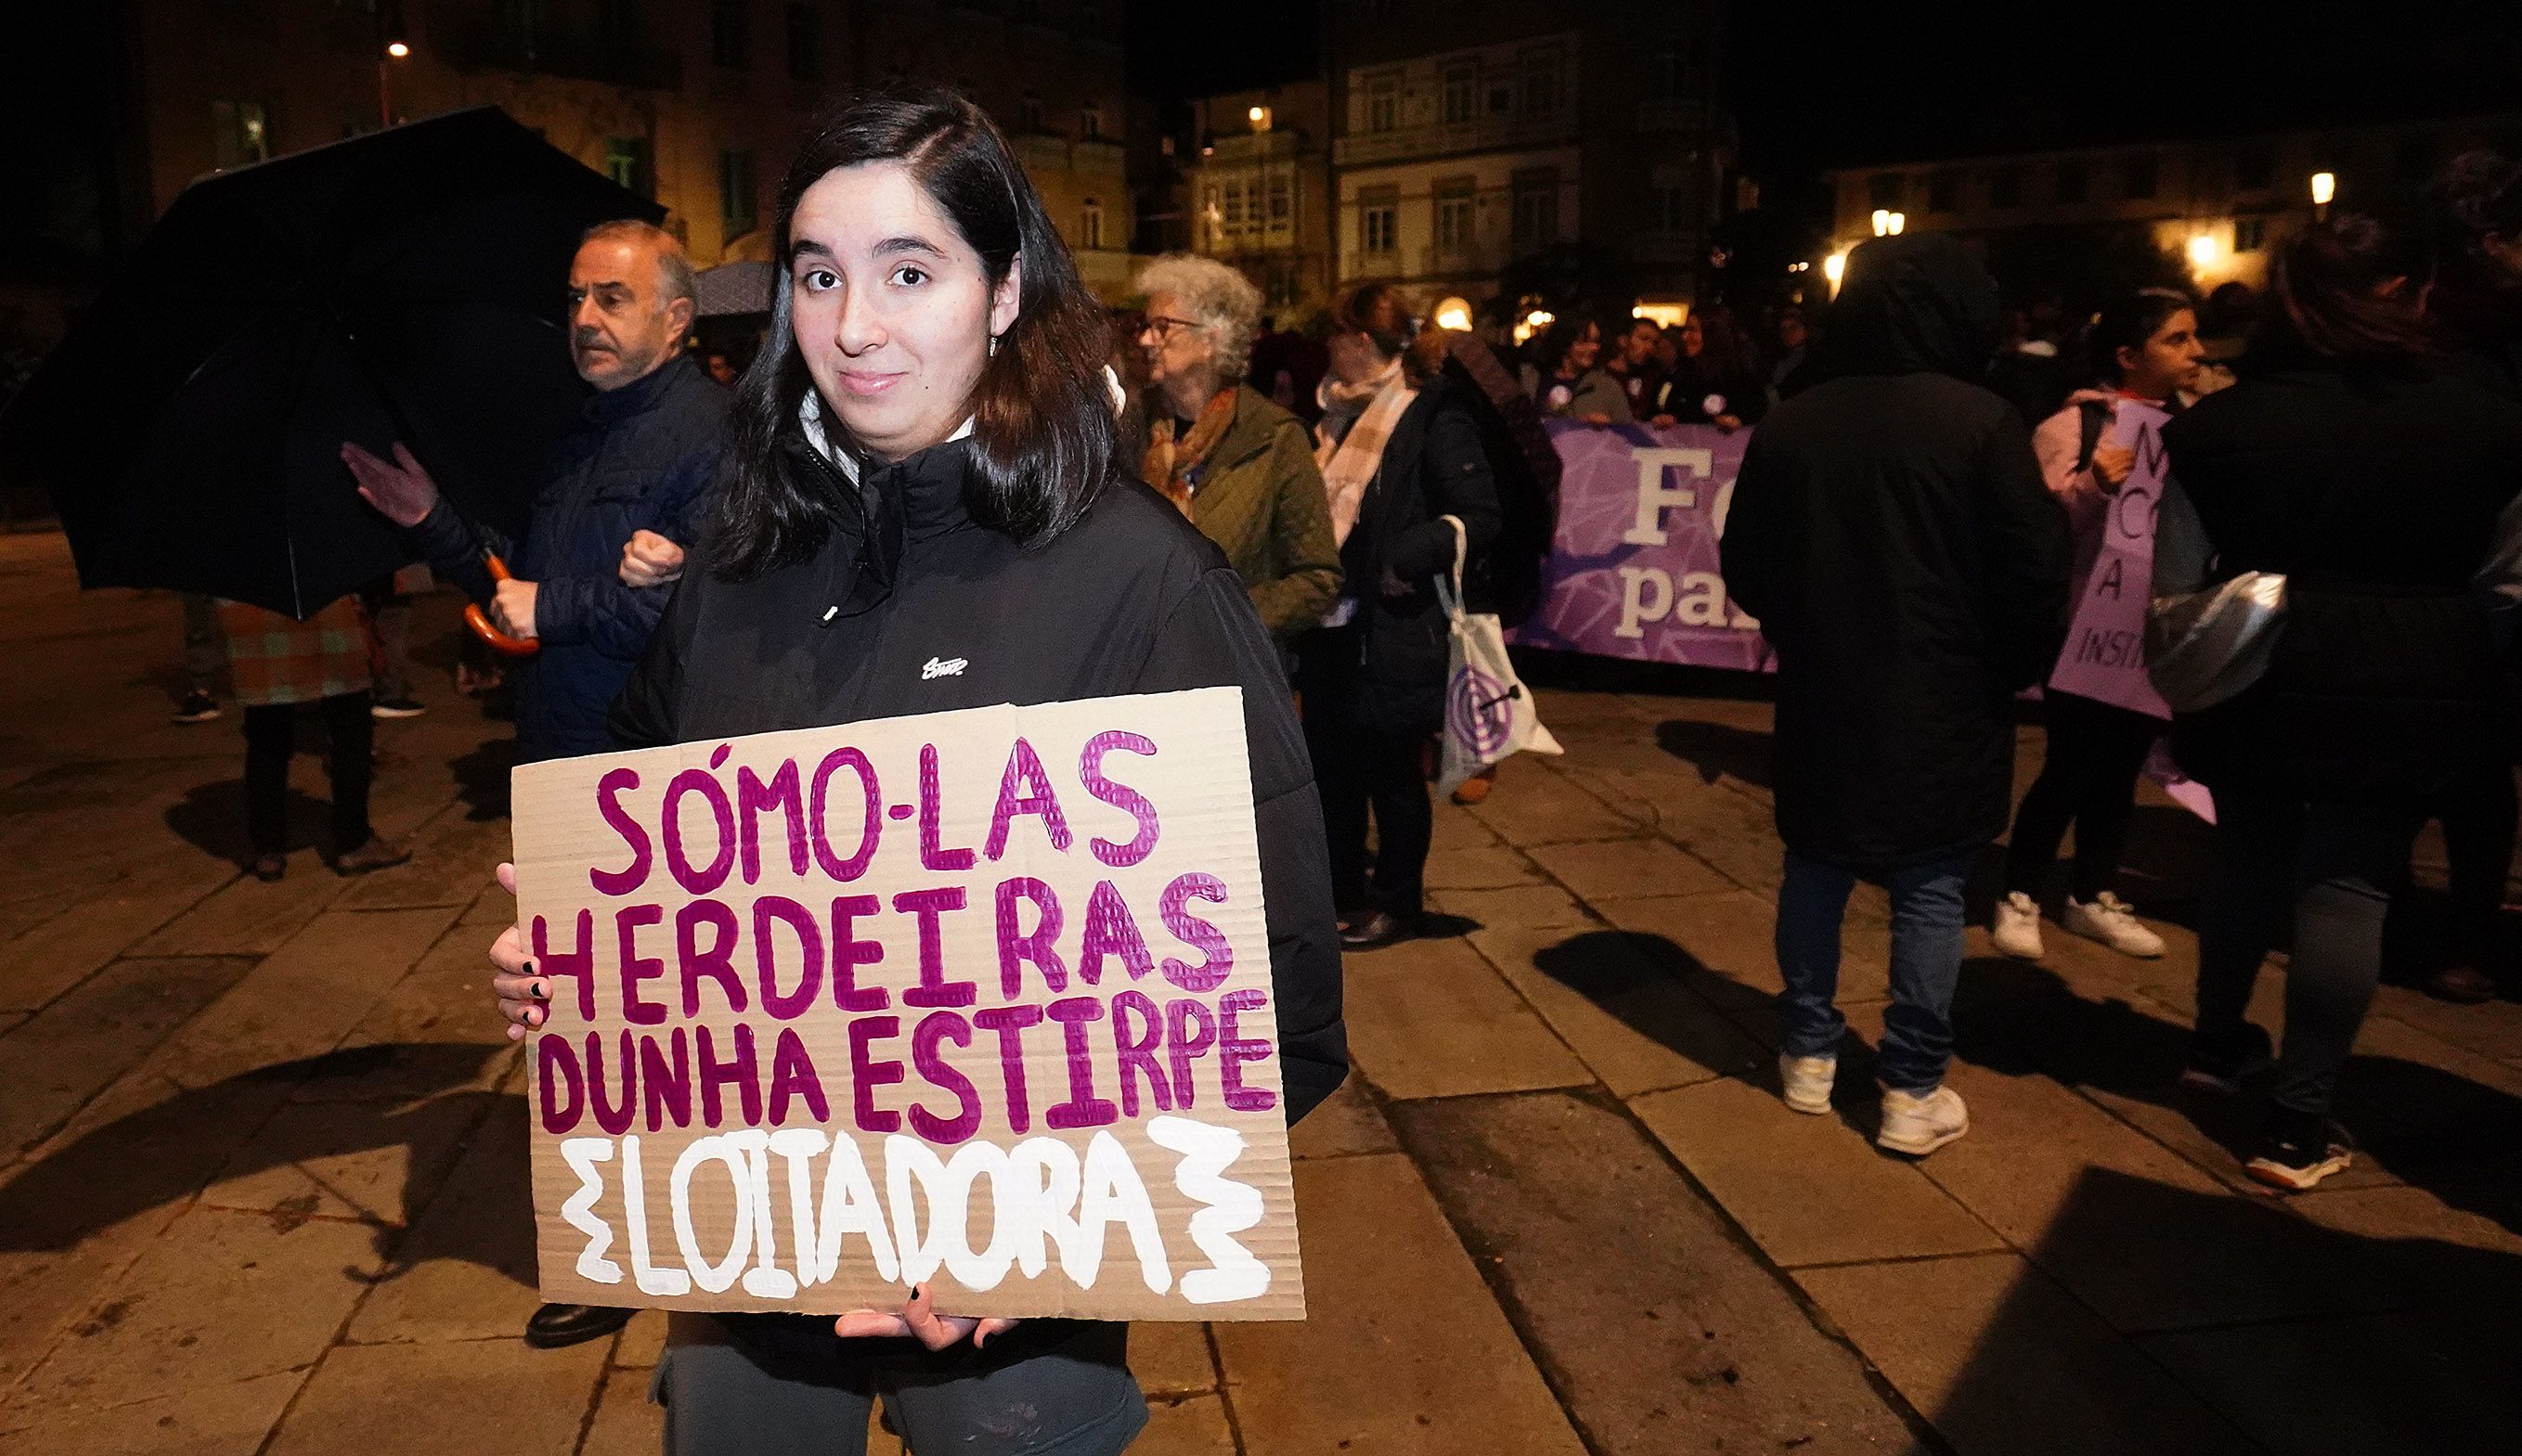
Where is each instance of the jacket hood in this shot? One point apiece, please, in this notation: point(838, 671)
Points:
point(1914, 303)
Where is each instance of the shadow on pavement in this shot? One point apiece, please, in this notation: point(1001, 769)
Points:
point(1716, 750)
point(174, 1149)
point(482, 778)
point(210, 817)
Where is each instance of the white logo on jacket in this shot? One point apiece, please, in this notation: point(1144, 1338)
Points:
point(949, 668)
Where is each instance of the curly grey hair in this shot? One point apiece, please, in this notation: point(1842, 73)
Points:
point(1212, 294)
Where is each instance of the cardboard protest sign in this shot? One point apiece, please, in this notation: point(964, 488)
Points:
point(980, 998)
point(2104, 657)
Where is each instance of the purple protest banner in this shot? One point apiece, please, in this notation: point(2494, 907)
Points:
point(2104, 657)
point(1633, 570)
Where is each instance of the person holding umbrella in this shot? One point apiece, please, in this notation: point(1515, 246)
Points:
point(644, 450)
point(639, 460)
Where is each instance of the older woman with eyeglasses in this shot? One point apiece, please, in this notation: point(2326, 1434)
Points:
point(1240, 467)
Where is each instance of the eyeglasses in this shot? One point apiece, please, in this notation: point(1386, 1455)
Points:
point(1163, 327)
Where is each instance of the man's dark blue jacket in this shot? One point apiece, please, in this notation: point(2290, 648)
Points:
point(641, 458)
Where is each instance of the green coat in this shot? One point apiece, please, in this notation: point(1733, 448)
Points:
point(1260, 498)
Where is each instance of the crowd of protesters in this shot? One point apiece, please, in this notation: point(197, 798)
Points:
point(2336, 557)
point(1918, 507)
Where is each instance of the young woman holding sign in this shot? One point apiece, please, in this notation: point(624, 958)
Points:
point(919, 514)
point(2144, 348)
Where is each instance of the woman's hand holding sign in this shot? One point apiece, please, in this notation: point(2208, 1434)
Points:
point(524, 999)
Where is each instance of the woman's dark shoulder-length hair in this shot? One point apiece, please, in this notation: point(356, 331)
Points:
point(1042, 431)
point(2325, 289)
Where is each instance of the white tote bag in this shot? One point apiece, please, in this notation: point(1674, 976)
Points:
point(1489, 713)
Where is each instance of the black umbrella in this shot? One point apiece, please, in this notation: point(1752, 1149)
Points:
point(404, 285)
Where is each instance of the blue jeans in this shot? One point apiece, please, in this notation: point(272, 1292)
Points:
point(1925, 964)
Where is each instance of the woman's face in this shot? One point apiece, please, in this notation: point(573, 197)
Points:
point(1354, 357)
point(1585, 351)
point(893, 310)
point(1693, 338)
point(1179, 349)
point(2167, 362)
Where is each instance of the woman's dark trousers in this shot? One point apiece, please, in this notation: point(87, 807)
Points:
point(2335, 866)
point(270, 737)
point(2088, 779)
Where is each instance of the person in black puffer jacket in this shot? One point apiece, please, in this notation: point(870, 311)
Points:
point(1372, 678)
point(2376, 474)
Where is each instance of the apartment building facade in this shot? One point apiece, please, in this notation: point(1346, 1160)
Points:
point(1525, 134)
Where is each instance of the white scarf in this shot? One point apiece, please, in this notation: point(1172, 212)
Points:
point(1357, 423)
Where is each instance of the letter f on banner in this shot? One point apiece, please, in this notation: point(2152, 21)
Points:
point(1655, 497)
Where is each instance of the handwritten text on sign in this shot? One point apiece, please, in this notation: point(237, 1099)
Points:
point(979, 998)
point(2104, 657)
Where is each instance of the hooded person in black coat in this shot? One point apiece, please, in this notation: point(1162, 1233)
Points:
point(1890, 531)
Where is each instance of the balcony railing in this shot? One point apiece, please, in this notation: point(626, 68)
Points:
point(1255, 146)
point(1482, 134)
point(1443, 259)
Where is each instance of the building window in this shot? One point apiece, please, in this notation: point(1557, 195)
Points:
point(1886, 190)
point(1283, 201)
point(1541, 90)
point(1944, 192)
point(239, 133)
point(2005, 187)
point(1213, 212)
point(1461, 92)
point(1379, 221)
point(1671, 205)
point(2074, 179)
point(1383, 103)
point(731, 34)
point(1454, 214)
point(626, 162)
point(805, 44)
point(2255, 170)
point(1090, 123)
point(1536, 209)
point(1032, 114)
point(2140, 176)
point(1090, 225)
point(2250, 234)
point(736, 195)
point(1668, 72)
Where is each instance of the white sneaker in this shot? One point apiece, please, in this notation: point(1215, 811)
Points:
point(2017, 927)
point(2110, 920)
point(1806, 1081)
point(1920, 1124)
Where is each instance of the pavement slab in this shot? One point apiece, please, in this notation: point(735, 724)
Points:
point(425, 1399)
point(72, 1050)
point(1515, 905)
point(1491, 867)
point(250, 916)
point(1172, 1359)
point(305, 996)
point(1807, 1190)
point(2005, 1363)
point(451, 857)
point(466, 1268)
point(626, 1422)
point(1191, 1426)
point(2133, 1230)
point(1713, 1353)
point(1619, 869)
point(368, 1162)
point(1534, 805)
point(1637, 1026)
point(230, 1420)
point(1406, 1352)
point(2358, 1385)
point(1349, 1121)
point(69, 946)
point(1431, 1019)
point(221, 1296)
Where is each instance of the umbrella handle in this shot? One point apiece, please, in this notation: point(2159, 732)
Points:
point(480, 620)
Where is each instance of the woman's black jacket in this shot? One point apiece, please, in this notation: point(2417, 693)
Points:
point(1384, 671)
point(2380, 488)
point(1131, 599)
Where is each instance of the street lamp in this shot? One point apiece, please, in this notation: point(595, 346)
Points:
point(1453, 314)
point(399, 49)
point(396, 49)
point(1887, 223)
point(1259, 117)
point(2203, 249)
point(2324, 186)
point(1834, 268)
